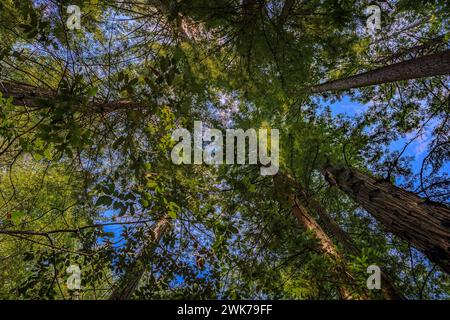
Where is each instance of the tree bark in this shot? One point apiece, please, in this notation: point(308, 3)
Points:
point(129, 282)
point(426, 66)
point(424, 224)
point(390, 292)
point(307, 222)
point(34, 97)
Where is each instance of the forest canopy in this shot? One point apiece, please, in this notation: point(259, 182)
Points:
point(323, 151)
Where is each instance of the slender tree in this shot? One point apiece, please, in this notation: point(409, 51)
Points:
point(129, 282)
point(426, 66)
point(390, 292)
point(425, 224)
point(40, 98)
point(348, 287)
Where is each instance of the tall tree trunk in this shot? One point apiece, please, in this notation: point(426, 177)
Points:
point(307, 222)
point(390, 292)
point(424, 224)
point(129, 282)
point(426, 66)
point(35, 97)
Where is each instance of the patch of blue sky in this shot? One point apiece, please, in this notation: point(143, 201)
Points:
point(346, 106)
point(114, 231)
point(417, 149)
point(179, 280)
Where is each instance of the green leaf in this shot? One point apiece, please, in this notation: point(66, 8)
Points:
point(164, 64)
point(16, 216)
point(144, 203)
point(120, 76)
point(103, 200)
point(173, 210)
point(92, 92)
point(133, 82)
point(172, 214)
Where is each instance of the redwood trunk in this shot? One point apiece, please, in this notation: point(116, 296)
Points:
point(426, 66)
point(390, 292)
point(326, 245)
point(424, 224)
point(34, 97)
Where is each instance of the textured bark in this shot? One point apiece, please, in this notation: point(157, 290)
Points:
point(129, 282)
point(326, 245)
point(426, 66)
point(424, 224)
point(287, 7)
point(34, 97)
point(390, 292)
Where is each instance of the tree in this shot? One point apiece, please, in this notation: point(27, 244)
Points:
point(418, 221)
point(129, 282)
point(347, 287)
point(426, 66)
point(389, 290)
point(100, 103)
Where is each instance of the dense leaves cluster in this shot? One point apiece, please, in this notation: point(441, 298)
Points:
point(86, 118)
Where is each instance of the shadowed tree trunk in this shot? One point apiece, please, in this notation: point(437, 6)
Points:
point(390, 292)
point(426, 66)
point(305, 220)
point(35, 97)
point(424, 224)
point(326, 246)
point(129, 282)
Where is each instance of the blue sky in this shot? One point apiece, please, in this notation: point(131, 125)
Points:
point(418, 148)
point(115, 230)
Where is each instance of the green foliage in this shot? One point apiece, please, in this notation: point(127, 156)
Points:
point(86, 175)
